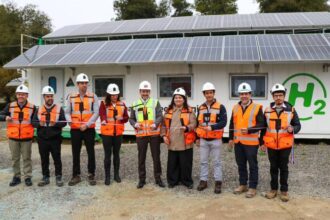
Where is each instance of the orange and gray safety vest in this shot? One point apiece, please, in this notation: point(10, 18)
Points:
point(54, 114)
point(114, 127)
point(81, 109)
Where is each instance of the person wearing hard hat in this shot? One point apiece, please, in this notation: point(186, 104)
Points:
point(282, 122)
point(49, 121)
point(245, 124)
point(212, 118)
point(146, 118)
point(82, 111)
point(19, 115)
point(179, 136)
point(113, 115)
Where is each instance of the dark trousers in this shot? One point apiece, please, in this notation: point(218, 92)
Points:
point(179, 167)
point(111, 144)
point(279, 160)
point(88, 136)
point(247, 154)
point(52, 147)
point(142, 145)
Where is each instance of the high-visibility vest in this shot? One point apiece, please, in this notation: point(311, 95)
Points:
point(278, 139)
point(190, 136)
point(114, 127)
point(81, 110)
point(20, 126)
point(206, 118)
point(146, 115)
point(245, 120)
point(54, 114)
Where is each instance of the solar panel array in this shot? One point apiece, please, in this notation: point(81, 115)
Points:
point(197, 23)
point(217, 49)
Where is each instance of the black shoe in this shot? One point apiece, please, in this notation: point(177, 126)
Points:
point(28, 181)
point(43, 182)
point(91, 179)
point(190, 186)
point(170, 185)
point(141, 184)
point(160, 183)
point(107, 180)
point(117, 178)
point(15, 181)
point(59, 181)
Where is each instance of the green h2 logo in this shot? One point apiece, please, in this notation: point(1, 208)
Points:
point(313, 87)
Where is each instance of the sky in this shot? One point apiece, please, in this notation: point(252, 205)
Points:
point(67, 12)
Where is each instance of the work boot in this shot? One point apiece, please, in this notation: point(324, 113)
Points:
point(217, 188)
point(271, 194)
point(241, 189)
point(59, 181)
point(251, 193)
point(107, 179)
point(141, 184)
point(15, 181)
point(28, 181)
point(284, 196)
point(74, 180)
point(160, 183)
point(44, 181)
point(91, 179)
point(117, 177)
point(202, 185)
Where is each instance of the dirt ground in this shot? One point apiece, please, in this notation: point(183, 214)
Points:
point(309, 193)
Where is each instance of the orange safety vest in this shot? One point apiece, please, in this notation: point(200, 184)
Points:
point(20, 127)
point(245, 120)
point(190, 136)
point(114, 127)
point(54, 114)
point(206, 118)
point(81, 110)
point(278, 139)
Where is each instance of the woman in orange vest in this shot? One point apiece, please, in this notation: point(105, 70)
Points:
point(113, 114)
point(282, 122)
point(179, 136)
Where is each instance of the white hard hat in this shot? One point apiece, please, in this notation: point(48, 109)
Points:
point(22, 89)
point(179, 91)
point(208, 86)
point(244, 87)
point(278, 88)
point(82, 77)
point(113, 89)
point(47, 90)
point(145, 85)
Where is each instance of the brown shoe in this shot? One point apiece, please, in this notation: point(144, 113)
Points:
point(284, 196)
point(271, 194)
point(202, 185)
point(74, 180)
point(241, 189)
point(91, 179)
point(251, 193)
point(217, 188)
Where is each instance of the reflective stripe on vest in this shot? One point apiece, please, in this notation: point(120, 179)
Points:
point(81, 110)
point(54, 114)
point(246, 120)
point(278, 139)
point(20, 127)
point(146, 115)
point(205, 120)
point(114, 127)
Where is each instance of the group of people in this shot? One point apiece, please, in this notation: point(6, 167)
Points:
point(179, 128)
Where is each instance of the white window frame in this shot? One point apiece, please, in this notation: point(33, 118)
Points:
point(159, 76)
point(112, 76)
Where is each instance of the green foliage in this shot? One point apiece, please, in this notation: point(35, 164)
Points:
point(182, 8)
point(216, 7)
point(266, 6)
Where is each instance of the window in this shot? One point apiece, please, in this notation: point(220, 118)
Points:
point(167, 85)
point(52, 82)
point(101, 84)
point(257, 83)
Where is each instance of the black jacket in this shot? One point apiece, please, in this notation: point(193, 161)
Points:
point(53, 132)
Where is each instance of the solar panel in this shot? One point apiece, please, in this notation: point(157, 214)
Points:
point(131, 26)
point(181, 23)
point(318, 18)
point(264, 20)
point(292, 19)
point(311, 46)
point(242, 48)
point(85, 29)
point(276, 48)
point(81, 53)
point(54, 55)
point(237, 21)
point(29, 56)
point(208, 22)
point(62, 32)
point(110, 52)
point(172, 49)
point(206, 49)
point(107, 27)
point(156, 24)
point(140, 51)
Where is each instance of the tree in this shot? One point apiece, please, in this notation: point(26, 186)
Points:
point(266, 6)
point(135, 9)
point(215, 7)
point(164, 8)
point(182, 8)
